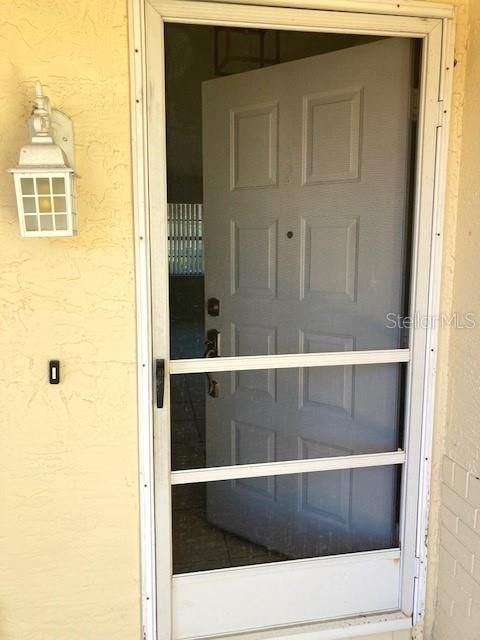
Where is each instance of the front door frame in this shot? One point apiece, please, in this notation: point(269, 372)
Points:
point(432, 22)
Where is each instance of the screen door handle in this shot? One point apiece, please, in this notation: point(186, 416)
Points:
point(159, 382)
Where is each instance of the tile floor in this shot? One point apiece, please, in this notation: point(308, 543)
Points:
point(200, 546)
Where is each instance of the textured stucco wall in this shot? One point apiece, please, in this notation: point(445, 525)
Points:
point(463, 433)
point(69, 565)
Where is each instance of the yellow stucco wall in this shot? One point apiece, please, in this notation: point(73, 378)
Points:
point(463, 433)
point(69, 560)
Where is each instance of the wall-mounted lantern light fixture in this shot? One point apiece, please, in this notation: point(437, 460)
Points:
point(44, 177)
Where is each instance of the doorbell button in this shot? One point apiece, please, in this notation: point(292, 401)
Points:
point(54, 371)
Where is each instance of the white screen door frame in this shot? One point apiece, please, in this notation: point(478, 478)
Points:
point(433, 23)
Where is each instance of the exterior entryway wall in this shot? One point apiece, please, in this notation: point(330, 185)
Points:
point(69, 535)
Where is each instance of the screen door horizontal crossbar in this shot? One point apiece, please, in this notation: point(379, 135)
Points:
point(263, 469)
point(288, 361)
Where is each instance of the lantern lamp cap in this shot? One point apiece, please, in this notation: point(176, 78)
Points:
point(42, 155)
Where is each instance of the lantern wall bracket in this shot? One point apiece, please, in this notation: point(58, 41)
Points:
point(60, 126)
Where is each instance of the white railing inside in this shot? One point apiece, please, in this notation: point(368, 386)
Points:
point(185, 241)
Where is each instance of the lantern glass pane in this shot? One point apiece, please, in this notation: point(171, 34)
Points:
point(43, 185)
point(31, 223)
point(45, 204)
point(61, 222)
point(58, 185)
point(59, 205)
point(29, 205)
point(46, 223)
point(27, 186)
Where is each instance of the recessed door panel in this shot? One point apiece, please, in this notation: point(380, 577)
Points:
point(329, 259)
point(253, 258)
point(254, 146)
point(332, 126)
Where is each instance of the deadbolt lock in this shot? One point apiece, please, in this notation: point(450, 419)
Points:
point(213, 307)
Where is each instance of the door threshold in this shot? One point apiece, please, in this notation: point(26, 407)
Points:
point(358, 626)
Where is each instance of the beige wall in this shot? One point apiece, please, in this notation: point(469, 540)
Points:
point(69, 564)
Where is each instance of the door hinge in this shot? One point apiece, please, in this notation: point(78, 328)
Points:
point(415, 108)
point(418, 567)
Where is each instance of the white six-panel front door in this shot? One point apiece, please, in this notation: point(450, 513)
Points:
point(304, 221)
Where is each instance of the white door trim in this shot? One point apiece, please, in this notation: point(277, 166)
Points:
point(136, 34)
point(434, 23)
point(219, 13)
point(418, 8)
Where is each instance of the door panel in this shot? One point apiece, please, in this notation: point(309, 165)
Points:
point(332, 124)
point(253, 258)
point(329, 259)
point(254, 128)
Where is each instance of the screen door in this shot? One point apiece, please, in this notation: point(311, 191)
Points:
point(289, 161)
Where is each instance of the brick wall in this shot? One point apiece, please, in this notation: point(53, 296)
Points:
point(458, 596)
